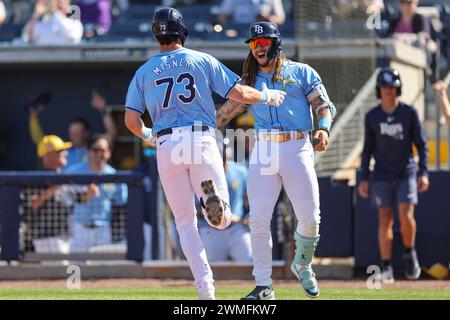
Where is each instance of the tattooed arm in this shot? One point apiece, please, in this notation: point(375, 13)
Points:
point(321, 103)
point(228, 111)
point(325, 112)
point(322, 109)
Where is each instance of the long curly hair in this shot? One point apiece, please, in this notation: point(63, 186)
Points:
point(250, 69)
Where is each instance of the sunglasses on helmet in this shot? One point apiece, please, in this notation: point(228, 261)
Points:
point(262, 42)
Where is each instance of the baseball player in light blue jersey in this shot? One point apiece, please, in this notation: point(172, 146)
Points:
point(286, 129)
point(175, 86)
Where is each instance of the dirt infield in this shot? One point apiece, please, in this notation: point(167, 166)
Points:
point(138, 283)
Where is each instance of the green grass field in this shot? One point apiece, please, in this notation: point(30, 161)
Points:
point(222, 293)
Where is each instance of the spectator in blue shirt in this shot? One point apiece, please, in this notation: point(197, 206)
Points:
point(92, 215)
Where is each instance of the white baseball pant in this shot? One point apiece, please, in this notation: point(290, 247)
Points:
point(296, 173)
point(185, 159)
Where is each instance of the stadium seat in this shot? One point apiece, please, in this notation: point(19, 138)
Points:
point(119, 39)
point(287, 30)
point(139, 12)
point(199, 29)
point(234, 31)
point(131, 28)
point(197, 11)
point(136, 22)
point(10, 32)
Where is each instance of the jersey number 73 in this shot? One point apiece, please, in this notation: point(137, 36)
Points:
point(189, 85)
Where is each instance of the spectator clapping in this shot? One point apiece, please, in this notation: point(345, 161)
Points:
point(49, 24)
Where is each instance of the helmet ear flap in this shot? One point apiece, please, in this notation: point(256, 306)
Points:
point(185, 32)
point(378, 92)
point(275, 48)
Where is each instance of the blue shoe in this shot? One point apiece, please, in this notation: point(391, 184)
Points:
point(260, 293)
point(307, 279)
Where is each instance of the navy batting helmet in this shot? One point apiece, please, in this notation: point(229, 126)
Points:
point(169, 21)
point(388, 77)
point(265, 29)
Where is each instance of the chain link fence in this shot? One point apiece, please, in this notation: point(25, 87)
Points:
point(337, 38)
point(64, 219)
point(345, 54)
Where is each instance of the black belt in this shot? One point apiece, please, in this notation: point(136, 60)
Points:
point(163, 132)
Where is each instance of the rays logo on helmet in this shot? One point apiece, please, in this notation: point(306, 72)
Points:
point(388, 77)
point(258, 29)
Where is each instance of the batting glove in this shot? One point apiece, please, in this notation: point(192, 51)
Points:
point(150, 141)
point(272, 97)
point(148, 137)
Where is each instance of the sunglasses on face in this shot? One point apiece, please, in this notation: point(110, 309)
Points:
point(262, 42)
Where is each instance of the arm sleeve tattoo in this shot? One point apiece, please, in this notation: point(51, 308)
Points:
point(321, 103)
point(228, 111)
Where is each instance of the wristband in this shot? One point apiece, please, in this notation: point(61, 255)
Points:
point(325, 123)
point(324, 129)
point(263, 97)
point(146, 133)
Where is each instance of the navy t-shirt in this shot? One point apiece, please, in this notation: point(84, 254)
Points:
point(389, 139)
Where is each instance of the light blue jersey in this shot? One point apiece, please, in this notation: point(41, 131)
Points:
point(176, 86)
point(76, 156)
point(298, 80)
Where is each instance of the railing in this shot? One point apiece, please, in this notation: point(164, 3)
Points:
point(347, 134)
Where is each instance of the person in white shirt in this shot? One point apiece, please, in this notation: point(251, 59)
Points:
point(49, 24)
point(2, 13)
